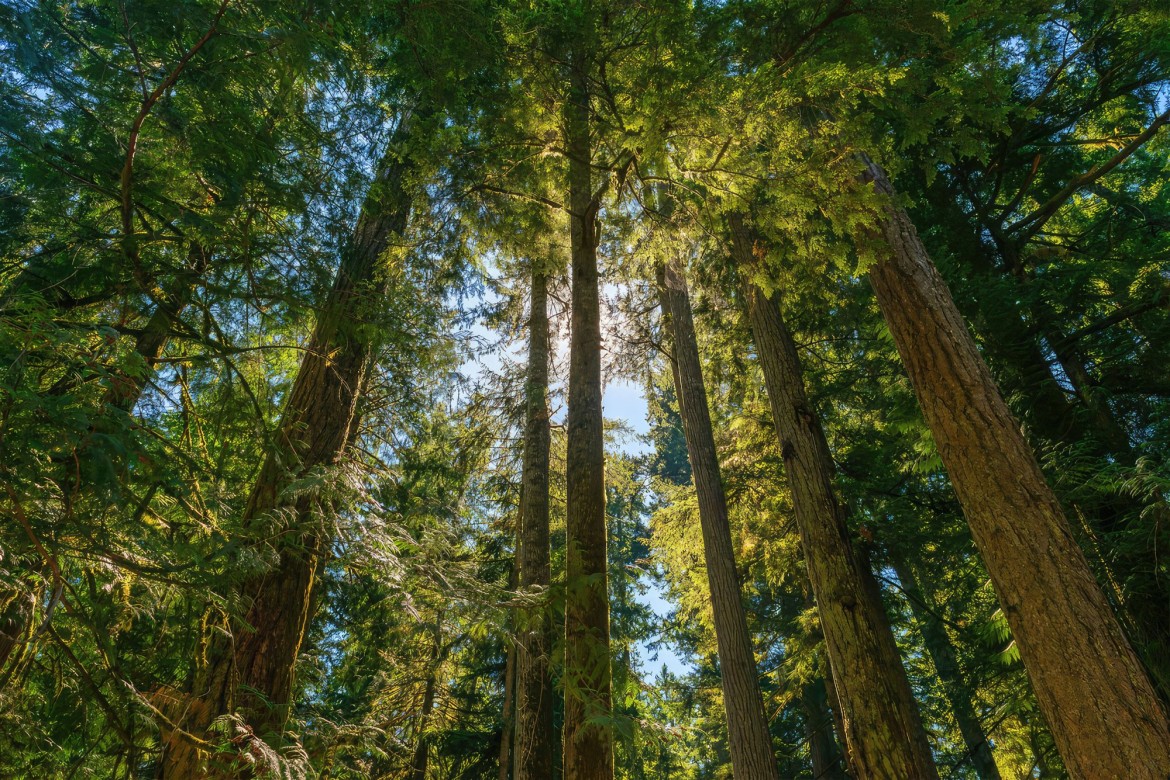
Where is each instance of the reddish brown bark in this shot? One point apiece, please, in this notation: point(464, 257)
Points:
point(1099, 703)
point(253, 673)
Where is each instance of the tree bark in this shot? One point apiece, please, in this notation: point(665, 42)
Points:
point(883, 735)
point(588, 737)
point(1140, 599)
point(747, 724)
point(1104, 715)
point(942, 655)
point(828, 763)
point(535, 740)
point(509, 731)
point(252, 672)
point(418, 762)
point(153, 338)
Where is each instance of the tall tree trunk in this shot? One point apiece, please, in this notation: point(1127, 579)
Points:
point(535, 739)
point(507, 737)
point(747, 724)
point(252, 673)
point(828, 763)
point(587, 674)
point(883, 735)
point(942, 655)
point(1104, 714)
point(1128, 574)
point(418, 762)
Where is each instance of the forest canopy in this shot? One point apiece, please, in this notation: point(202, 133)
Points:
point(585, 389)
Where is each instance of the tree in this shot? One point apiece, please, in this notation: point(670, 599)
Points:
point(1070, 641)
point(747, 727)
point(883, 732)
point(587, 674)
point(534, 691)
point(254, 672)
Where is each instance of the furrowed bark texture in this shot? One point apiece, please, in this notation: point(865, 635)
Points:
point(747, 725)
point(1128, 573)
point(883, 733)
point(587, 674)
point(942, 655)
point(253, 672)
point(1105, 718)
point(535, 741)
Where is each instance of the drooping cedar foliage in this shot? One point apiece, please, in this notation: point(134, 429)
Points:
point(591, 390)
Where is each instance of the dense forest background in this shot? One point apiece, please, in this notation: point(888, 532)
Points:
point(307, 310)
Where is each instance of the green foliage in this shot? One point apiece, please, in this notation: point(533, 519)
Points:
point(177, 183)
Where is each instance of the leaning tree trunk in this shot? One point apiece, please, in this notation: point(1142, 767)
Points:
point(19, 607)
point(1104, 715)
point(883, 735)
point(1140, 599)
point(942, 655)
point(252, 672)
point(747, 724)
point(535, 740)
point(588, 737)
point(153, 338)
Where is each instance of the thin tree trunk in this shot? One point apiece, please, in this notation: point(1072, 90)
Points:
point(18, 609)
point(942, 655)
point(252, 673)
point(509, 730)
point(747, 724)
point(418, 763)
point(1104, 714)
point(828, 763)
point(535, 739)
point(153, 338)
point(883, 735)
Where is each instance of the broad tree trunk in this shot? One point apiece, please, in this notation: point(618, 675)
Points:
point(828, 763)
point(587, 674)
point(535, 740)
point(883, 735)
point(1104, 714)
point(942, 655)
point(747, 724)
point(252, 674)
point(1140, 599)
